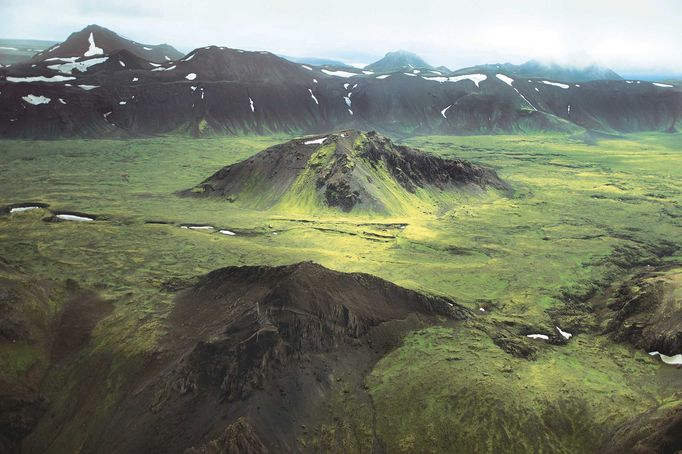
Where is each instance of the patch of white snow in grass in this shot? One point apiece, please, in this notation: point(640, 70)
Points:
point(73, 217)
point(316, 141)
point(675, 360)
point(564, 334)
point(21, 209)
point(442, 112)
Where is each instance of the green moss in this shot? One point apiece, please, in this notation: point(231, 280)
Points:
point(581, 217)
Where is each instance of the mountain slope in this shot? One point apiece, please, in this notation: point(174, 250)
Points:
point(255, 355)
point(400, 60)
point(95, 40)
point(348, 171)
point(551, 71)
point(217, 90)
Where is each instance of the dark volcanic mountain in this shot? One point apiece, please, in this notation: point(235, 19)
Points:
point(94, 40)
point(552, 71)
point(117, 93)
point(400, 60)
point(347, 170)
point(254, 355)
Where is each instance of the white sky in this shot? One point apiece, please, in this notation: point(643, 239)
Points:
point(630, 36)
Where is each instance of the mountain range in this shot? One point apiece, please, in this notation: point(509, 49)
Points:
point(99, 84)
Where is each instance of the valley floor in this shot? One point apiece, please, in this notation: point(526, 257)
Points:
point(584, 215)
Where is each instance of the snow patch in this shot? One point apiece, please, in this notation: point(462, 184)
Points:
point(227, 232)
point(73, 217)
point(347, 99)
point(675, 360)
point(62, 101)
point(39, 79)
point(538, 336)
point(253, 109)
point(36, 100)
point(662, 85)
point(507, 80)
point(556, 84)
point(345, 86)
point(339, 73)
point(313, 96)
point(122, 63)
point(350, 111)
point(368, 72)
point(135, 79)
point(564, 334)
point(410, 74)
point(123, 103)
point(20, 209)
point(191, 76)
point(475, 78)
point(88, 87)
point(147, 48)
point(385, 76)
point(307, 67)
point(316, 141)
point(93, 50)
point(82, 66)
point(442, 112)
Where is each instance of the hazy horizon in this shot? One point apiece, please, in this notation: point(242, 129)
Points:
point(632, 39)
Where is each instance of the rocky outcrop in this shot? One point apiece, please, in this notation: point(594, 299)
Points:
point(238, 438)
point(343, 170)
point(263, 349)
point(647, 312)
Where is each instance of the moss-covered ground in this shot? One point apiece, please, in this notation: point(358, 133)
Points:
point(582, 216)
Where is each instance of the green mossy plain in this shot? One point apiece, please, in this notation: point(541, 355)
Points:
point(581, 218)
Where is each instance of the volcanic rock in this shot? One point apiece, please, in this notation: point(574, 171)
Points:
point(343, 170)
